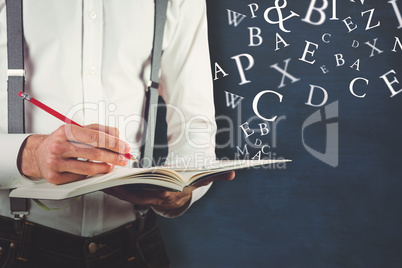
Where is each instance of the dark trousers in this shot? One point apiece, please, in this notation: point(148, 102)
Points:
point(26, 244)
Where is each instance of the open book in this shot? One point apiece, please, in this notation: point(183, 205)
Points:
point(166, 178)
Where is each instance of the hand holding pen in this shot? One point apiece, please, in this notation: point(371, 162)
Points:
point(55, 157)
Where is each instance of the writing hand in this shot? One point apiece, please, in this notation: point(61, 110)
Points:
point(170, 203)
point(55, 156)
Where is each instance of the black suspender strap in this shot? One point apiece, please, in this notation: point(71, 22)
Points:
point(15, 73)
point(151, 101)
point(16, 83)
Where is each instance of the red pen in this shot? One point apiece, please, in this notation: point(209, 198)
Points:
point(57, 114)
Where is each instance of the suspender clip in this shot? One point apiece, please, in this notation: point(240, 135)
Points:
point(19, 220)
point(19, 215)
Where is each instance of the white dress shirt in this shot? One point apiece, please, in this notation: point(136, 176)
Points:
point(90, 60)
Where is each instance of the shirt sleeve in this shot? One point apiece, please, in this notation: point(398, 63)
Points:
point(10, 177)
point(187, 88)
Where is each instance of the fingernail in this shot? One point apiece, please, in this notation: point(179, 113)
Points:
point(123, 159)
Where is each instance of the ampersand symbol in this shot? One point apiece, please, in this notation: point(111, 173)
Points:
point(280, 20)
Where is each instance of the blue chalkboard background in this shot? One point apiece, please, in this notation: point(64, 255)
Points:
point(308, 214)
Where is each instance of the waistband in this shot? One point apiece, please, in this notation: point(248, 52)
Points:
point(38, 237)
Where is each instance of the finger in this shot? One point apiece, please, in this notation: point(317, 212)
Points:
point(113, 131)
point(73, 150)
point(79, 167)
point(227, 176)
point(95, 138)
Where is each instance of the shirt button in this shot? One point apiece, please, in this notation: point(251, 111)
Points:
point(92, 247)
point(92, 70)
point(92, 15)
